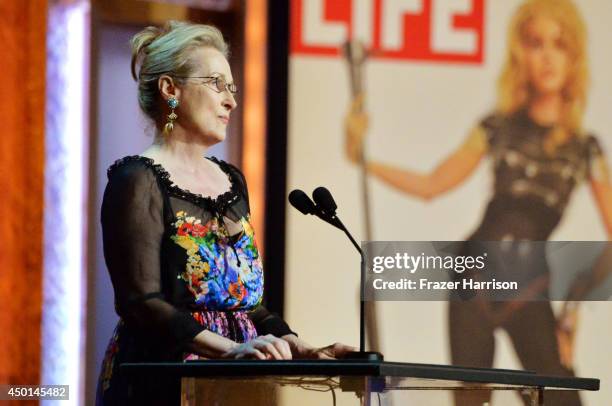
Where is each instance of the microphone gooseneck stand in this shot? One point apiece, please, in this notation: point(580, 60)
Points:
point(325, 209)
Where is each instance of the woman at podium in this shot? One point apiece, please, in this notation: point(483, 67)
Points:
point(177, 234)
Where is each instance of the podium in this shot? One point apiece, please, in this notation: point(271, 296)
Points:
point(250, 382)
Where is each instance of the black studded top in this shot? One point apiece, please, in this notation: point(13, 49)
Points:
point(532, 187)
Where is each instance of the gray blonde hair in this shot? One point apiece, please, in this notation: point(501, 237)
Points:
point(166, 50)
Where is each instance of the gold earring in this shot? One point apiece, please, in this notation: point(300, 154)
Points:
point(173, 104)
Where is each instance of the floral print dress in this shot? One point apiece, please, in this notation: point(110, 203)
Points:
point(176, 269)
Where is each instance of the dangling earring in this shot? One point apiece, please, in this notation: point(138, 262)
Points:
point(173, 104)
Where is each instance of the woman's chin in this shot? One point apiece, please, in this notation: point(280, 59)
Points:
point(213, 138)
point(220, 137)
point(549, 87)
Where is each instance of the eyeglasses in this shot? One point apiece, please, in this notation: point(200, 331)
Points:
point(219, 83)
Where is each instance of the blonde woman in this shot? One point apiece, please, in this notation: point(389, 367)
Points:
point(540, 152)
point(178, 241)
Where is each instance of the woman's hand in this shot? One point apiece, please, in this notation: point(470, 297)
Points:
point(355, 126)
point(567, 324)
point(262, 348)
point(333, 351)
point(302, 350)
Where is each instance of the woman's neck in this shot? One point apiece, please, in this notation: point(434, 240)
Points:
point(180, 149)
point(545, 109)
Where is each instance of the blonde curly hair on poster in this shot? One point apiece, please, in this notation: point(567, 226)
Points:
point(514, 91)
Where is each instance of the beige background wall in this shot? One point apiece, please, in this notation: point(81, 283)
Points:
point(419, 112)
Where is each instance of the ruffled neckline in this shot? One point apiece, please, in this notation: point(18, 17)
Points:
point(218, 203)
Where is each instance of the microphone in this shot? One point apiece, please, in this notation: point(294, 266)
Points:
point(302, 202)
point(325, 207)
point(324, 200)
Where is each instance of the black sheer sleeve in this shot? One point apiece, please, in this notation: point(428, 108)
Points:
point(132, 228)
point(265, 321)
point(491, 125)
point(596, 160)
point(269, 323)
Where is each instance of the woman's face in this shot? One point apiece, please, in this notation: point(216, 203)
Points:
point(546, 57)
point(203, 110)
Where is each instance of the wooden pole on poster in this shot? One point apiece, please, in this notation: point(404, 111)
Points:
point(356, 55)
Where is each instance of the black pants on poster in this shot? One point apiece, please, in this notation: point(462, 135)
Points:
point(531, 328)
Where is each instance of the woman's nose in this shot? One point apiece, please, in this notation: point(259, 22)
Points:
point(548, 51)
point(230, 101)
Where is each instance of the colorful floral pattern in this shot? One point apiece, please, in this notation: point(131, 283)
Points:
point(236, 325)
point(221, 274)
point(108, 364)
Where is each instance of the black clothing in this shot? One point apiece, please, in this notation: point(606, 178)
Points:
point(532, 188)
point(175, 268)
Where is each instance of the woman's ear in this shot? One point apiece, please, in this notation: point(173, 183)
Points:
point(168, 88)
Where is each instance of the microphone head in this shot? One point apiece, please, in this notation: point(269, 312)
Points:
point(302, 202)
point(324, 200)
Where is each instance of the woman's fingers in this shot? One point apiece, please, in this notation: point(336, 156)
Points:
point(566, 334)
point(271, 347)
point(356, 125)
point(353, 142)
point(256, 354)
point(357, 103)
point(275, 347)
point(249, 352)
point(327, 353)
point(281, 346)
point(267, 348)
point(340, 349)
point(566, 348)
point(333, 351)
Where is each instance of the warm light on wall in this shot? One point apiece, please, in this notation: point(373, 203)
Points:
point(254, 130)
point(65, 216)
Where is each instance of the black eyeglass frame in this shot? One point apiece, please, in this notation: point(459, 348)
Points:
point(231, 87)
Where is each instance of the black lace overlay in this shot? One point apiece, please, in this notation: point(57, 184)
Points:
point(138, 212)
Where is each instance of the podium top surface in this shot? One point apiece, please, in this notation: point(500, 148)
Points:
point(351, 368)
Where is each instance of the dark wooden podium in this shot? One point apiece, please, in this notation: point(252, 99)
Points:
point(248, 382)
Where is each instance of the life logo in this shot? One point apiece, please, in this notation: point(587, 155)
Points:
point(422, 30)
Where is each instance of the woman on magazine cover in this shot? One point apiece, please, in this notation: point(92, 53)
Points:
point(540, 153)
